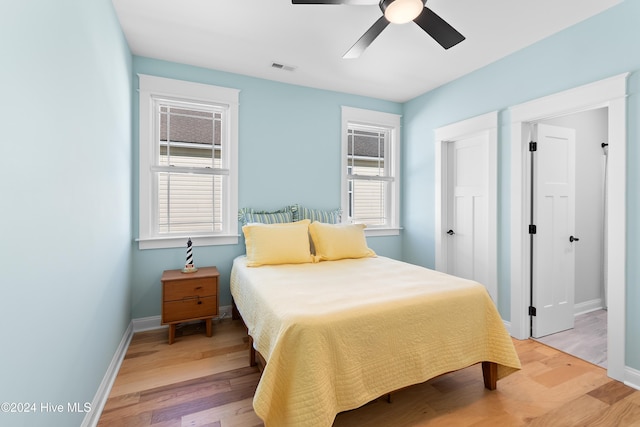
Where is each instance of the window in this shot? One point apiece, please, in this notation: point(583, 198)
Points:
point(370, 169)
point(188, 163)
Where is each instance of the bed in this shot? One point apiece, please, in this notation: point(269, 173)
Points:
point(338, 331)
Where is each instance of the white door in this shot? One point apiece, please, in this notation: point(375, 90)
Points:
point(554, 217)
point(468, 210)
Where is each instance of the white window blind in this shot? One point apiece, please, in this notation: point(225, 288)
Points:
point(368, 175)
point(189, 171)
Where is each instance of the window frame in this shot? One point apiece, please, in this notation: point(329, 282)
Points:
point(151, 89)
point(358, 117)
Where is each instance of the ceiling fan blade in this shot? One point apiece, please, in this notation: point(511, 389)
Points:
point(348, 2)
point(367, 38)
point(438, 28)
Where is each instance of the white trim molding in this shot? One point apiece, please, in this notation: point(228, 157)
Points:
point(610, 93)
point(507, 326)
point(588, 306)
point(377, 119)
point(152, 88)
point(102, 394)
point(147, 324)
point(632, 378)
point(136, 325)
point(150, 323)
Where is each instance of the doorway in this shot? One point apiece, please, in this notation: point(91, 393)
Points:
point(609, 93)
point(579, 234)
point(466, 200)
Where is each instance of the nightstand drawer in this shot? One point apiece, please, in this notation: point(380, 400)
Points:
point(189, 308)
point(179, 289)
point(189, 296)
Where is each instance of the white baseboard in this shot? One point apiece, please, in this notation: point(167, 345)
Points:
point(137, 325)
point(155, 322)
point(587, 306)
point(507, 325)
point(224, 312)
point(147, 324)
point(632, 377)
point(97, 405)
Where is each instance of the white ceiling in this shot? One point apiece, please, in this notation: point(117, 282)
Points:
point(247, 36)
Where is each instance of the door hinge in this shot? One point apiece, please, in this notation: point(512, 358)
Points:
point(532, 311)
point(533, 146)
point(532, 229)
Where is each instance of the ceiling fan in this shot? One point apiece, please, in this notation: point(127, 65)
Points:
point(399, 12)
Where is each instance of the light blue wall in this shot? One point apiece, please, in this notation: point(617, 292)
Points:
point(72, 277)
point(289, 152)
point(600, 47)
point(65, 202)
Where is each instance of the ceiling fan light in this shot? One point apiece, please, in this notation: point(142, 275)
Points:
point(401, 11)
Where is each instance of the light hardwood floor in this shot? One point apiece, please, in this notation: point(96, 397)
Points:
point(200, 381)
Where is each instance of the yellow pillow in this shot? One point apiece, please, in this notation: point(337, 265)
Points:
point(339, 241)
point(286, 243)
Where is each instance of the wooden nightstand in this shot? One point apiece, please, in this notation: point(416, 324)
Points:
point(189, 296)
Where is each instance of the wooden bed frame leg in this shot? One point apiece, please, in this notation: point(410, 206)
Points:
point(235, 314)
point(490, 375)
point(252, 353)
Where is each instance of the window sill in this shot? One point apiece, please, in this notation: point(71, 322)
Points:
point(181, 241)
point(375, 232)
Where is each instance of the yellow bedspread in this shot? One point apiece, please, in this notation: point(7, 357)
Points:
point(338, 334)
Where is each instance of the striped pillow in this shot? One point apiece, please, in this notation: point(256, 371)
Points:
point(269, 217)
point(248, 215)
point(328, 217)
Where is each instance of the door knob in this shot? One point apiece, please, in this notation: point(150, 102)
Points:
point(450, 232)
point(573, 239)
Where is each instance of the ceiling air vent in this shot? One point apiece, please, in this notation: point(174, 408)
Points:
point(282, 66)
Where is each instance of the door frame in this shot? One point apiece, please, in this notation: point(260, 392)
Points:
point(610, 93)
point(483, 124)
